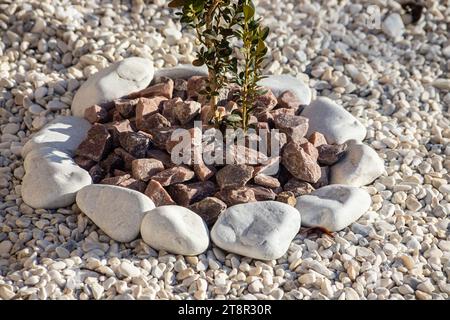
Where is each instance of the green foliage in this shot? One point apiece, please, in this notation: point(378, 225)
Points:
point(217, 23)
point(254, 50)
point(213, 22)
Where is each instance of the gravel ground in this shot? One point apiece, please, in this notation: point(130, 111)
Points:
point(400, 249)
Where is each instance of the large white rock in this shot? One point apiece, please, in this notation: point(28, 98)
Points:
point(281, 83)
point(117, 80)
point(52, 179)
point(261, 230)
point(333, 121)
point(175, 229)
point(333, 207)
point(360, 166)
point(117, 211)
point(63, 134)
point(182, 71)
point(393, 26)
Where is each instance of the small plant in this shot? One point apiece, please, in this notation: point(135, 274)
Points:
point(254, 49)
point(212, 21)
point(217, 23)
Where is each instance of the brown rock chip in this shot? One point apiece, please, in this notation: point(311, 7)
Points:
point(266, 181)
point(135, 143)
point(116, 180)
point(203, 171)
point(97, 144)
point(299, 188)
point(116, 127)
point(209, 209)
point(317, 139)
point(158, 194)
point(300, 164)
point(113, 161)
point(310, 149)
point(262, 193)
point(168, 110)
point(147, 107)
point(162, 135)
point(144, 169)
point(84, 163)
point(126, 157)
point(234, 176)
point(236, 196)
point(162, 156)
point(126, 107)
point(195, 84)
point(155, 121)
point(125, 181)
point(288, 99)
point(134, 184)
point(186, 111)
point(329, 154)
point(162, 89)
point(295, 127)
point(96, 113)
point(185, 194)
point(265, 102)
point(173, 175)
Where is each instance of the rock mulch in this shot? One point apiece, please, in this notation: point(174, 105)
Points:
point(129, 145)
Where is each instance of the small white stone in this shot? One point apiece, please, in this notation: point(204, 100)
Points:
point(129, 270)
point(11, 128)
point(307, 278)
point(56, 105)
point(97, 290)
point(393, 26)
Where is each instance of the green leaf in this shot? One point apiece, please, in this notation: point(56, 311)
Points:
point(249, 12)
point(177, 3)
point(264, 33)
point(198, 5)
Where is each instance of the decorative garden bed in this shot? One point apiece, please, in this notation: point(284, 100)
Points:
point(126, 149)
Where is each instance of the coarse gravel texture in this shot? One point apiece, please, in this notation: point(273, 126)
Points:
point(399, 88)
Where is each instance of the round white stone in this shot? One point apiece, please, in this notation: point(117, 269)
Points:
point(333, 121)
point(117, 211)
point(333, 207)
point(360, 166)
point(281, 83)
point(52, 179)
point(261, 230)
point(393, 26)
point(63, 134)
point(182, 71)
point(175, 229)
point(117, 80)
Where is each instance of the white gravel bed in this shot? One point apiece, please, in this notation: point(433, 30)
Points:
point(395, 77)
